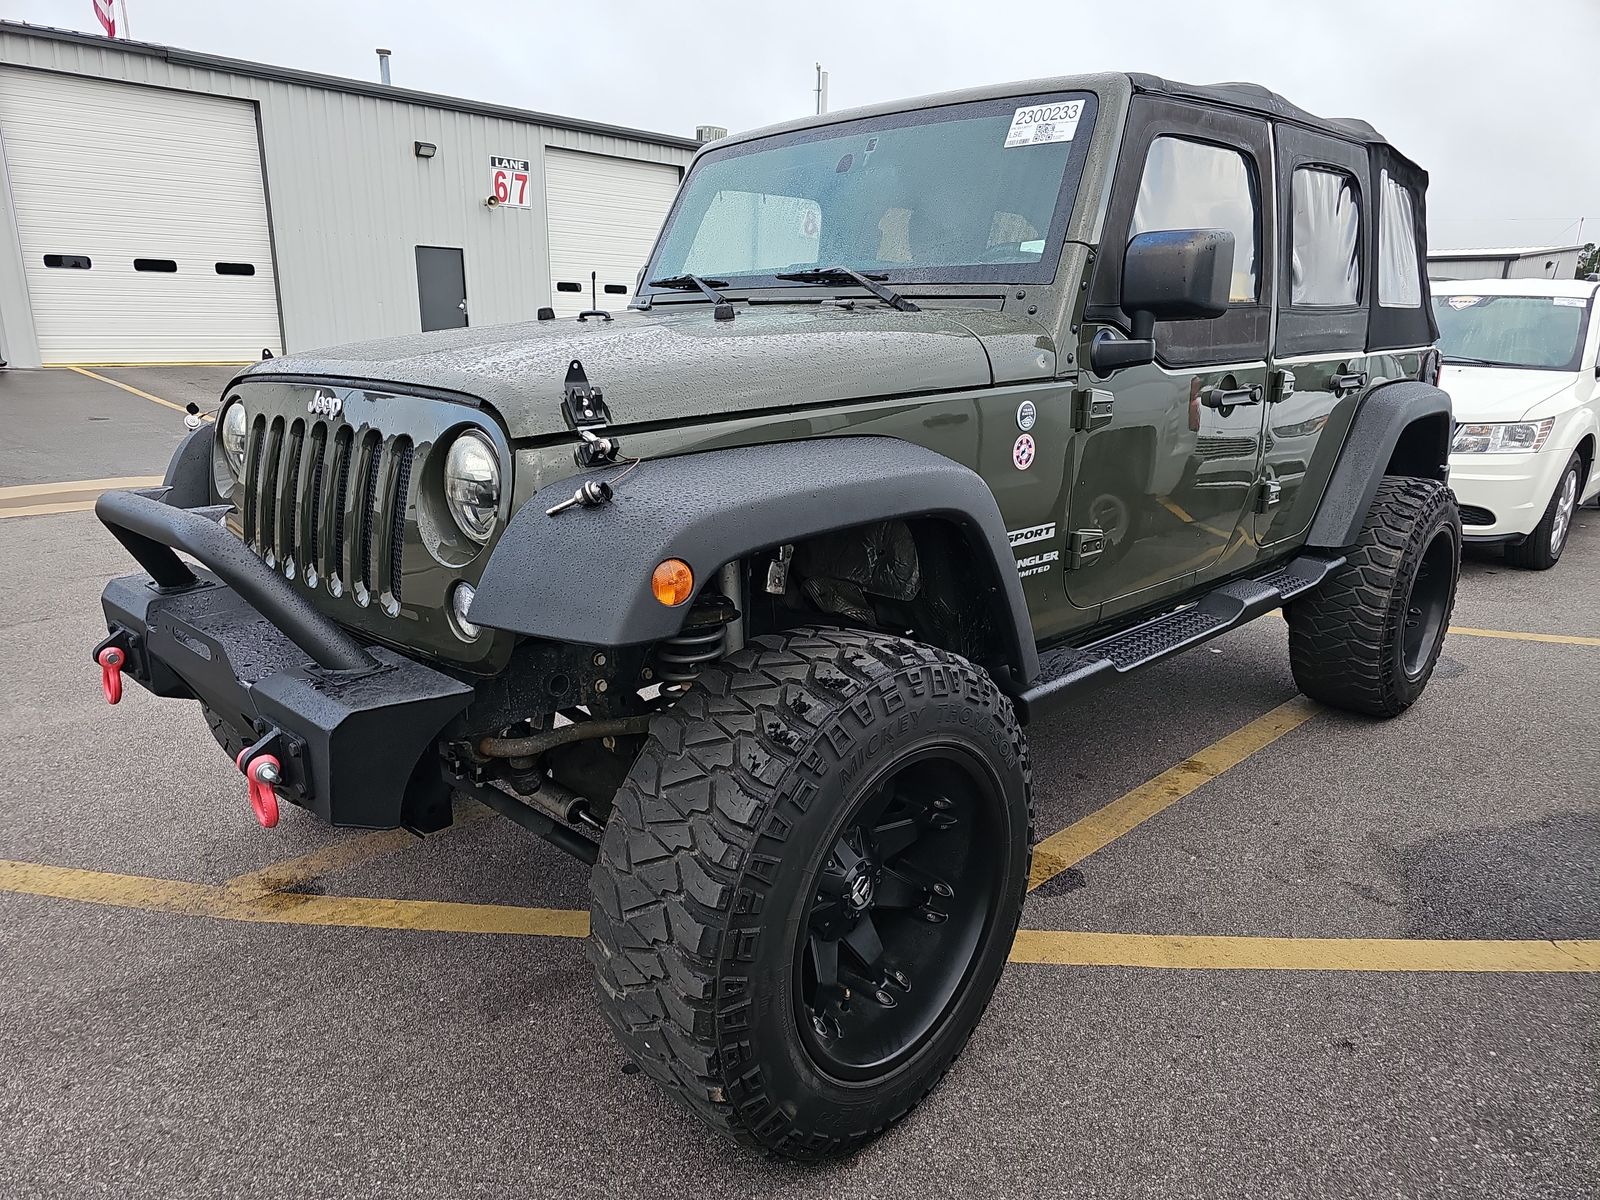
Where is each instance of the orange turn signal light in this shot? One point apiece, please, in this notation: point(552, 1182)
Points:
point(672, 582)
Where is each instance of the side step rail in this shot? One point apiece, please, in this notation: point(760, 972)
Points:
point(1067, 670)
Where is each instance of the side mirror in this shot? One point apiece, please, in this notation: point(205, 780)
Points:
point(1167, 275)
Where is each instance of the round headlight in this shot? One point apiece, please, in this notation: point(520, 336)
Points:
point(232, 431)
point(472, 484)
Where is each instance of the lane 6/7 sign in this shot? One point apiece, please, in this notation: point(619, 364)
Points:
point(508, 181)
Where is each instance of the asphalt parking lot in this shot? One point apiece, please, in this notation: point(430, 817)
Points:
point(1273, 950)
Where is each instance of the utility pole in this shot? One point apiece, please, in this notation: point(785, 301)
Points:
point(821, 90)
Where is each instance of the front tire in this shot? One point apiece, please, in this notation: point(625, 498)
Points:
point(810, 882)
point(1367, 638)
point(1542, 548)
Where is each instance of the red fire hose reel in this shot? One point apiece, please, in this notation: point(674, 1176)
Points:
point(112, 659)
point(262, 773)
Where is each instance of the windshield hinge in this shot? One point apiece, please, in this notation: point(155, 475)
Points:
point(583, 405)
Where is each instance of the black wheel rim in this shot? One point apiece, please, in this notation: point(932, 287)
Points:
point(1428, 605)
point(899, 912)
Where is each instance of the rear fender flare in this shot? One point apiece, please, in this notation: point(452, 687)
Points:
point(583, 575)
point(1402, 427)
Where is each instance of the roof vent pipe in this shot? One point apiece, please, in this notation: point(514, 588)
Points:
point(383, 66)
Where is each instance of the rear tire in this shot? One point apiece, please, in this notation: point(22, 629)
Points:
point(761, 905)
point(1367, 639)
point(1542, 548)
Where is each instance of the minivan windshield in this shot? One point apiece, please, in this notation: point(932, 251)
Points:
point(1540, 332)
point(965, 192)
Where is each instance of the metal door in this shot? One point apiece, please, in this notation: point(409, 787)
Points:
point(1164, 479)
point(441, 287)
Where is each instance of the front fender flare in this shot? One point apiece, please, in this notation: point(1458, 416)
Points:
point(1405, 424)
point(584, 575)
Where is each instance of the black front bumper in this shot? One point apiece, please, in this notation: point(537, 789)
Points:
point(352, 726)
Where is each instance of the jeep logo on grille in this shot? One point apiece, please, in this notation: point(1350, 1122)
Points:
point(324, 404)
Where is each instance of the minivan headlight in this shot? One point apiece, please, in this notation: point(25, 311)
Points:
point(472, 484)
point(232, 432)
point(1517, 437)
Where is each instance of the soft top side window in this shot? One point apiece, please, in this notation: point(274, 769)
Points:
point(1325, 239)
point(1195, 185)
point(1398, 284)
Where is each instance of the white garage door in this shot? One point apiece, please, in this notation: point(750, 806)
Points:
point(604, 216)
point(142, 219)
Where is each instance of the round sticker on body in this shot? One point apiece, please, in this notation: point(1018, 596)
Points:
point(1027, 414)
point(1022, 452)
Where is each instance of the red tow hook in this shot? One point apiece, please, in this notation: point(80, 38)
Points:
point(262, 773)
point(111, 660)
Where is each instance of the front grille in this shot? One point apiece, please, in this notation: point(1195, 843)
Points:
point(1471, 514)
point(328, 505)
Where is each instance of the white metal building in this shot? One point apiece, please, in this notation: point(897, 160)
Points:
point(159, 205)
point(1505, 262)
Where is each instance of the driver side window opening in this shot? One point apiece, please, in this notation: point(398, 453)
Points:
point(1196, 185)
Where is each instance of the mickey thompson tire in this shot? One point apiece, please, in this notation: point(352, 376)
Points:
point(809, 884)
point(1367, 639)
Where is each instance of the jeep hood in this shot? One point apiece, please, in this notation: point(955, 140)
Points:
point(1487, 394)
point(676, 362)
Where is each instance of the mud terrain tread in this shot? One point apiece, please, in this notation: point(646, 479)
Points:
point(678, 861)
point(1341, 636)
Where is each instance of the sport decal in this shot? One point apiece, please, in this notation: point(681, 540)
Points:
point(1033, 533)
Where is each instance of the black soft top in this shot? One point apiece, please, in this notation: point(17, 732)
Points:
point(1252, 97)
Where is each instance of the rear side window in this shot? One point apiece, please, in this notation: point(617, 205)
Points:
point(1325, 244)
point(1194, 185)
point(1399, 285)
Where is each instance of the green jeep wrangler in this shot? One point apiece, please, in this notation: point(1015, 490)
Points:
point(924, 417)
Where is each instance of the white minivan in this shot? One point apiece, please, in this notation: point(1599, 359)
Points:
point(1522, 366)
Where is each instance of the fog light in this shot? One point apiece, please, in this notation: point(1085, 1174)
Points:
point(460, 601)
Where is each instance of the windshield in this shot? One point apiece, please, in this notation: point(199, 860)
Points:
point(967, 192)
point(1542, 332)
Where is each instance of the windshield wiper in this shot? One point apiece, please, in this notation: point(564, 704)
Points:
point(707, 287)
point(1476, 362)
point(843, 275)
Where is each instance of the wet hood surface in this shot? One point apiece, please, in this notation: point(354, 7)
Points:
point(1499, 393)
point(676, 362)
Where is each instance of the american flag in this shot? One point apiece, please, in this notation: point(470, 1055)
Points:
point(108, 16)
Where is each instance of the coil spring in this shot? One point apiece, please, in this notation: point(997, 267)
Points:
point(679, 658)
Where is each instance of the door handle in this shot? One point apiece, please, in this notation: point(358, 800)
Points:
point(1353, 382)
point(1226, 399)
point(462, 306)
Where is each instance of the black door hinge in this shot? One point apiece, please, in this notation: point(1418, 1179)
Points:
point(1092, 408)
point(1084, 546)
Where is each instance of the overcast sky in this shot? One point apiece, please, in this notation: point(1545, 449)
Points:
point(1496, 98)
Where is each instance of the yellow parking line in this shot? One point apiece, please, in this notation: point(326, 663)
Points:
point(128, 387)
point(1100, 828)
point(291, 873)
point(1187, 952)
point(76, 495)
point(285, 908)
point(1040, 946)
point(1560, 639)
point(45, 510)
point(28, 491)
